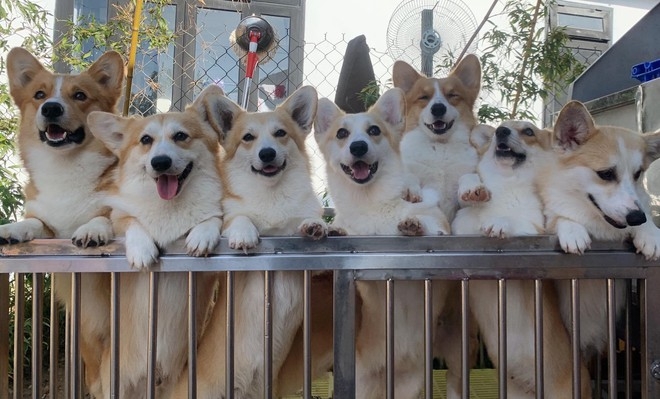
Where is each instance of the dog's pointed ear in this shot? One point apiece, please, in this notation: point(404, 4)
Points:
point(391, 106)
point(109, 128)
point(216, 109)
point(404, 75)
point(302, 107)
point(22, 67)
point(574, 125)
point(652, 145)
point(109, 72)
point(468, 71)
point(327, 113)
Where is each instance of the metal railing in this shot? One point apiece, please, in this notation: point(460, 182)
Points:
point(352, 259)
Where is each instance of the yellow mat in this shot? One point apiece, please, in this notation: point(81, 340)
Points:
point(483, 385)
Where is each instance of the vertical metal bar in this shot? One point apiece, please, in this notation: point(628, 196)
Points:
point(229, 375)
point(114, 333)
point(76, 361)
point(268, 335)
point(389, 338)
point(67, 352)
point(19, 320)
point(37, 333)
point(538, 337)
point(54, 340)
point(428, 339)
point(192, 335)
point(650, 339)
point(465, 340)
point(611, 339)
point(501, 334)
point(628, 338)
point(344, 335)
point(307, 337)
point(153, 334)
point(575, 336)
point(4, 335)
point(598, 381)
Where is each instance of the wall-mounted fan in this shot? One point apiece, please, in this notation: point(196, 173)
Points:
point(421, 32)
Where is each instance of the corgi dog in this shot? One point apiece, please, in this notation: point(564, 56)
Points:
point(168, 185)
point(592, 189)
point(502, 194)
point(436, 148)
point(269, 194)
point(502, 201)
point(367, 184)
point(68, 169)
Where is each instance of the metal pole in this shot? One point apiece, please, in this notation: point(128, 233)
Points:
point(538, 337)
point(152, 350)
point(307, 337)
point(428, 339)
point(465, 340)
point(229, 375)
point(37, 333)
point(389, 338)
point(344, 335)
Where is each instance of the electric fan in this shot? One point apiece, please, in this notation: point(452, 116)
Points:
point(423, 32)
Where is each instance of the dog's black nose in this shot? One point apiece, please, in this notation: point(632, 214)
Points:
point(267, 154)
point(438, 110)
point(161, 163)
point(52, 109)
point(359, 148)
point(635, 218)
point(502, 132)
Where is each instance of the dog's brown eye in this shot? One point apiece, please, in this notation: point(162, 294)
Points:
point(607, 174)
point(80, 96)
point(40, 95)
point(146, 139)
point(342, 133)
point(451, 96)
point(528, 132)
point(279, 133)
point(373, 130)
point(180, 136)
point(637, 174)
point(248, 137)
point(423, 98)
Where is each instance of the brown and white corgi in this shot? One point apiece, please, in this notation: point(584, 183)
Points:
point(168, 185)
point(68, 169)
point(269, 194)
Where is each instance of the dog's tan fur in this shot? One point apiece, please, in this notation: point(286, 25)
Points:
point(63, 197)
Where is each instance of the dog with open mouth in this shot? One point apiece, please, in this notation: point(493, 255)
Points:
point(501, 200)
point(269, 193)
point(436, 148)
point(168, 185)
point(592, 189)
point(68, 170)
point(366, 183)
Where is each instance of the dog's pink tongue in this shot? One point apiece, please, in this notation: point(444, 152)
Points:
point(167, 186)
point(360, 170)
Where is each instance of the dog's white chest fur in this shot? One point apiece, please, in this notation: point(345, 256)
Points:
point(51, 171)
point(439, 165)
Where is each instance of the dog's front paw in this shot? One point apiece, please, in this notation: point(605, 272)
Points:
point(336, 231)
point(497, 228)
point(141, 255)
point(141, 250)
point(94, 233)
point(573, 237)
point(242, 234)
point(313, 228)
point(25, 230)
point(476, 194)
point(411, 227)
point(204, 237)
point(412, 195)
point(647, 242)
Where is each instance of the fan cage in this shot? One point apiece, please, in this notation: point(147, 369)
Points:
point(452, 20)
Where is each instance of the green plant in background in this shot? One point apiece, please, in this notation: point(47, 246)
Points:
point(370, 94)
point(87, 36)
point(537, 61)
